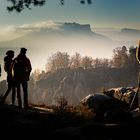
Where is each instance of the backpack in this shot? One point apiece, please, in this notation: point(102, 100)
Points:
point(7, 64)
point(19, 69)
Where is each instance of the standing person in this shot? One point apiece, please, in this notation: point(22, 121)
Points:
point(22, 69)
point(8, 62)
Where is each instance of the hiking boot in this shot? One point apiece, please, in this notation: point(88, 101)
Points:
point(26, 107)
point(2, 101)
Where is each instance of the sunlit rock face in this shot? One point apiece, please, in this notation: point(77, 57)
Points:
point(126, 94)
point(105, 108)
point(73, 88)
point(96, 105)
point(95, 101)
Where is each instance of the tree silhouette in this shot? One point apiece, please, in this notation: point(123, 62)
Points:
point(120, 57)
point(86, 62)
point(57, 61)
point(75, 61)
point(20, 5)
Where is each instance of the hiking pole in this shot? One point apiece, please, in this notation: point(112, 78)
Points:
point(136, 93)
point(138, 89)
point(138, 59)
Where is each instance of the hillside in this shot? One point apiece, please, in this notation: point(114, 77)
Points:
point(77, 83)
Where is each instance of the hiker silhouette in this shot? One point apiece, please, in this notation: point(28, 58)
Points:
point(21, 72)
point(8, 62)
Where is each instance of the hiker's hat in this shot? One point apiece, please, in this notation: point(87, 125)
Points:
point(9, 52)
point(23, 50)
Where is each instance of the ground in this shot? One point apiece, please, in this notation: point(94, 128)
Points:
point(48, 123)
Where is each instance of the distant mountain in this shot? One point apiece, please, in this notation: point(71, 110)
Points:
point(76, 27)
point(61, 31)
point(82, 29)
point(130, 34)
point(130, 31)
point(127, 36)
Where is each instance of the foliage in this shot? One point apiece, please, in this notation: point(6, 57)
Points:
point(57, 61)
point(120, 57)
point(62, 103)
point(132, 61)
point(86, 62)
point(62, 60)
point(123, 58)
point(101, 63)
point(75, 61)
point(20, 5)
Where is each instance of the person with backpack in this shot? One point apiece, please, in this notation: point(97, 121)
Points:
point(21, 72)
point(8, 62)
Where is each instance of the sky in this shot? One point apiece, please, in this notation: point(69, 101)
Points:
point(104, 16)
point(101, 13)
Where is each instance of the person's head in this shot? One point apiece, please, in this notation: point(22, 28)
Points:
point(23, 51)
point(10, 53)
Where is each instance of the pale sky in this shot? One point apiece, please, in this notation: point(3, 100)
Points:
point(101, 13)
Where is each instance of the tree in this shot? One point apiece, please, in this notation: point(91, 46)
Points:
point(120, 57)
point(57, 61)
point(20, 5)
point(36, 75)
point(86, 62)
point(101, 63)
point(105, 63)
point(132, 58)
point(75, 61)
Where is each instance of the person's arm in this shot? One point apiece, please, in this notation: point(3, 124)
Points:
point(29, 69)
